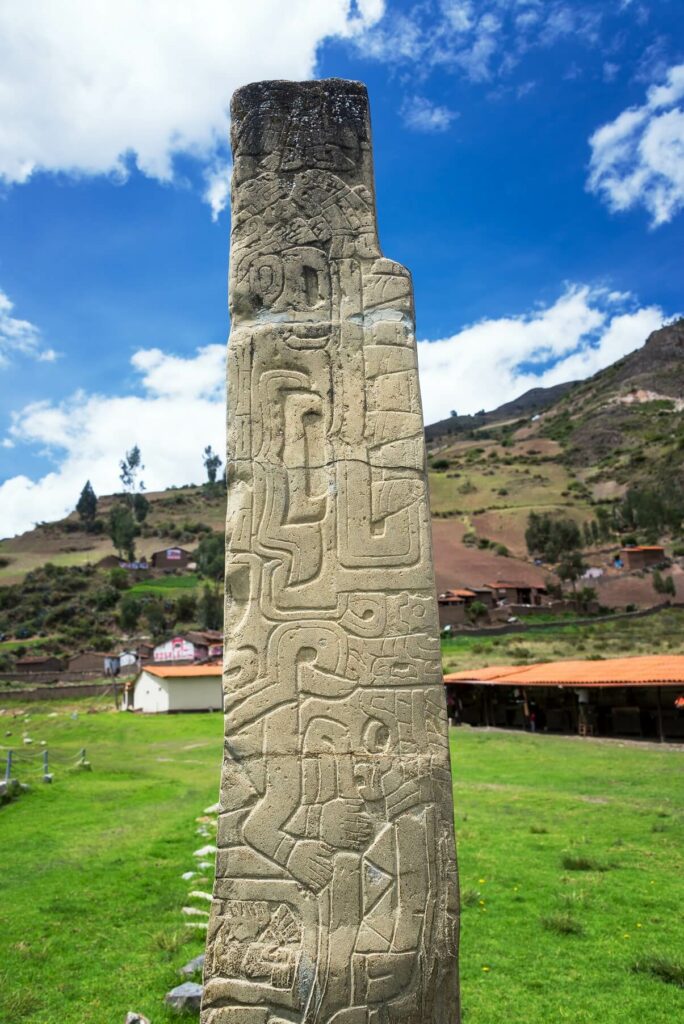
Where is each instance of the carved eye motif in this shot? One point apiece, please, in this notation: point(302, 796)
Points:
point(266, 278)
point(376, 737)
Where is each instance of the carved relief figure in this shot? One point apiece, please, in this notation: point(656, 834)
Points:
point(335, 900)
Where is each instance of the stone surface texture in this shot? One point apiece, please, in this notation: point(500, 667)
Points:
point(335, 900)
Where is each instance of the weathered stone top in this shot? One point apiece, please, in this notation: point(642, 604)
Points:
point(293, 126)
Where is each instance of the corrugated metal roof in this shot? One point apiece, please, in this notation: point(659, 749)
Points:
point(183, 671)
point(647, 670)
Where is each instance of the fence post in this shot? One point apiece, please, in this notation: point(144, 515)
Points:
point(8, 766)
point(46, 769)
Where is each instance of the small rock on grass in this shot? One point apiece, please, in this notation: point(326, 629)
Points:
point(136, 1018)
point(192, 967)
point(204, 851)
point(187, 996)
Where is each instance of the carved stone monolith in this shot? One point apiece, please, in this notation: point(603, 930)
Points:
point(335, 900)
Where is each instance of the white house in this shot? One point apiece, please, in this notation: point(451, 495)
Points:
point(176, 649)
point(169, 688)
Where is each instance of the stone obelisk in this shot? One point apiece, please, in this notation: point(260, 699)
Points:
point(335, 900)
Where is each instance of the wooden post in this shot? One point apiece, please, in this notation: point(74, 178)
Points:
point(46, 767)
point(661, 735)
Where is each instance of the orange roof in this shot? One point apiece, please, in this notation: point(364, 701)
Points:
point(458, 592)
point(182, 671)
point(648, 670)
point(506, 584)
point(645, 547)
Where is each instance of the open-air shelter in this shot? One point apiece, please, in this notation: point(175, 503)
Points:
point(638, 697)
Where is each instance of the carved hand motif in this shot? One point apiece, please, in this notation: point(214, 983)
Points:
point(311, 863)
point(345, 825)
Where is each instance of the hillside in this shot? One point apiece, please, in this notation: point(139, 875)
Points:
point(531, 402)
point(621, 429)
point(575, 453)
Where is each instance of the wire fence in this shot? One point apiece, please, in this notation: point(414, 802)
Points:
point(20, 764)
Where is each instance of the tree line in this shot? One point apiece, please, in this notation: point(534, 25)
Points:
point(132, 507)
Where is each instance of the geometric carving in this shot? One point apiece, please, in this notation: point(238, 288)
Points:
point(335, 898)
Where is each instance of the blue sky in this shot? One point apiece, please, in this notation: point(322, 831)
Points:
point(529, 170)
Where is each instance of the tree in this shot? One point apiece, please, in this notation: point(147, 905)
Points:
point(212, 464)
point(550, 537)
point(571, 568)
point(186, 607)
point(141, 507)
point(130, 466)
point(477, 610)
point(453, 413)
point(155, 616)
point(210, 608)
point(122, 530)
point(87, 506)
point(663, 584)
point(211, 556)
point(129, 612)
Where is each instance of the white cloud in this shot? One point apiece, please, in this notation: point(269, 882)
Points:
point(20, 337)
point(421, 115)
point(638, 159)
point(182, 405)
point(181, 410)
point(494, 361)
point(87, 86)
point(217, 192)
point(483, 39)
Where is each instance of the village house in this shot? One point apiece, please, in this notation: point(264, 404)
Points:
point(91, 662)
point(519, 592)
point(166, 689)
point(38, 664)
point(194, 646)
point(171, 559)
point(642, 556)
point(451, 606)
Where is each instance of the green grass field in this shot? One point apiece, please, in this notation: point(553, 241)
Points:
point(571, 858)
point(166, 585)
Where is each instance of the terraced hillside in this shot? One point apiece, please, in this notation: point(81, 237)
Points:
point(573, 451)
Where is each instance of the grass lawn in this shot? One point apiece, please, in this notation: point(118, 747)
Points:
point(166, 585)
point(7, 646)
point(571, 859)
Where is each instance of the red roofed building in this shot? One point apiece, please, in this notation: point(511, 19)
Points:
point(643, 556)
point(637, 697)
point(165, 689)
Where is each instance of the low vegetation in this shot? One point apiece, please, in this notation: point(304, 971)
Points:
point(613, 638)
point(92, 890)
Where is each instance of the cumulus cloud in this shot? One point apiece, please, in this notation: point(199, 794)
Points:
point(89, 86)
point(419, 114)
point(180, 411)
point(481, 39)
point(20, 337)
point(180, 408)
point(494, 361)
point(638, 159)
point(217, 191)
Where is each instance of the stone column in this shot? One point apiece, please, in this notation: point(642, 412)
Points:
point(335, 899)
